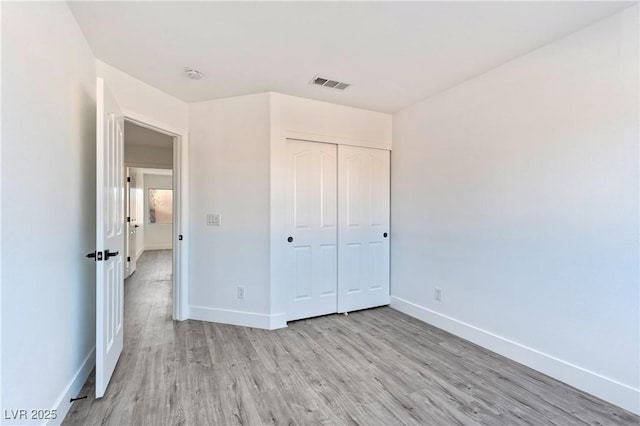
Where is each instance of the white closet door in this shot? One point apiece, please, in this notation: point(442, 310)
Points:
point(363, 233)
point(311, 238)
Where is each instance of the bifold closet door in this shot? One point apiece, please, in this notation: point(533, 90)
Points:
point(363, 228)
point(312, 229)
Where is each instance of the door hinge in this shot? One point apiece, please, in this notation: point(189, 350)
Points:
point(128, 258)
point(96, 256)
point(179, 237)
point(128, 179)
point(128, 219)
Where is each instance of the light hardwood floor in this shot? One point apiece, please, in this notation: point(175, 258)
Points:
point(373, 367)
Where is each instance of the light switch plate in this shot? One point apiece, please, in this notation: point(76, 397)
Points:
point(214, 219)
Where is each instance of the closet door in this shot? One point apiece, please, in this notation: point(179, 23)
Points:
point(363, 228)
point(311, 238)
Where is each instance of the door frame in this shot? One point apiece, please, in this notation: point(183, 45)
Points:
point(180, 208)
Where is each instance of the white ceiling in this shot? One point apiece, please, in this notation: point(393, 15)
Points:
point(393, 53)
point(141, 136)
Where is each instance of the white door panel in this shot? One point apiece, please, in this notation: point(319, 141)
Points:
point(110, 235)
point(312, 229)
point(131, 207)
point(134, 192)
point(363, 230)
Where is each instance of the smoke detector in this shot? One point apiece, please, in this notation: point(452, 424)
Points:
point(326, 82)
point(194, 74)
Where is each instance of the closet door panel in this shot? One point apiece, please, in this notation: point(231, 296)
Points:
point(311, 243)
point(363, 228)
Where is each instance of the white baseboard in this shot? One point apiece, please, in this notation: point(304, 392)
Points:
point(63, 403)
point(245, 319)
point(138, 254)
point(158, 247)
point(607, 389)
point(277, 321)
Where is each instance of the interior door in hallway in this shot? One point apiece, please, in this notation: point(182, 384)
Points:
point(312, 229)
point(363, 227)
point(110, 235)
point(131, 202)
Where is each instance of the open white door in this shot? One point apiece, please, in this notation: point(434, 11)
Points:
point(110, 236)
point(363, 228)
point(131, 207)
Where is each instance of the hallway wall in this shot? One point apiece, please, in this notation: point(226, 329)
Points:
point(157, 236)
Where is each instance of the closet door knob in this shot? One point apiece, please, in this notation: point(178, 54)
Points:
point(385, 235)
point(290, 239)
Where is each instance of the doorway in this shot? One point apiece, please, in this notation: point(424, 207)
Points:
point(149, 215)
point(153, 206)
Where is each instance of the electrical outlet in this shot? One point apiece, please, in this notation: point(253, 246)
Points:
point(437, 294)
point(240, 292)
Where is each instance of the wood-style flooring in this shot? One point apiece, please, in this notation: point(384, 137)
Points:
point(373, 367)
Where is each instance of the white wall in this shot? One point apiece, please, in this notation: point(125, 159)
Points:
point(48, 207)
point(236, 162)
point(299, 118)
point(315, 120)
point(1, 381)
point(157, 236)
point(229, 174)
point(144, 101)
point(516, 193)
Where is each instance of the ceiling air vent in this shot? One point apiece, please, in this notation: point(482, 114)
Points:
point(325, 82)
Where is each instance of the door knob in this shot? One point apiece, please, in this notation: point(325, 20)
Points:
point(290, 239)
point(136, 226)
point(385, 235)
point(96, 255)
point(108, 254)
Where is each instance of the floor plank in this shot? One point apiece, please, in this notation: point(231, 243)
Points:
point(373, 367)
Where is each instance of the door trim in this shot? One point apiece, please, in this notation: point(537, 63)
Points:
point(180, 208)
